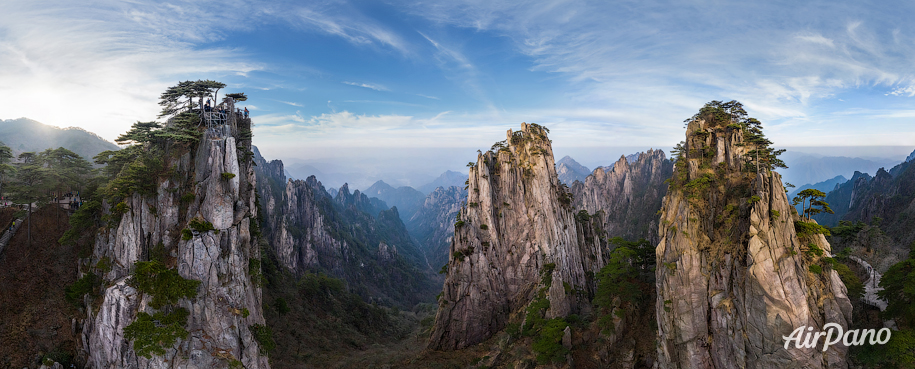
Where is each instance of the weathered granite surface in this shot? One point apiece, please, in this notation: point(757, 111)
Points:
point(732, 276)
point(517, 219)
point(218, 329)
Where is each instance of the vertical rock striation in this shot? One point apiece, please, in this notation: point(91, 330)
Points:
point(516, 232)
point(196, 184)
point(629, 194)
point(733, 276)
point(349, 236)
point(433, 223)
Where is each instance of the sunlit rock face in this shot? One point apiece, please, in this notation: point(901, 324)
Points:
point(213, 181)
point(628, 195)
point(518, 219)
point(732, 275)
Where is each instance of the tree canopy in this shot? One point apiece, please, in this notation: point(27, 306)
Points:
point(181, 97)
point(811, 202)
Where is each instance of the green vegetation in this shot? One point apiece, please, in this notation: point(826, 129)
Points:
point(546, 274)
point(582, 216)
point(811, 203)
point(484, 227)
point(816, 269)
point(852, 282)
point(629, 273)
point(186, 234)
point(181, 97)
point(535, 311)
point(753, 199)
point(152, 334)
point(899, 293)
point(104, 264)
point(82, 222)
point(813, 250)
point(165, 285)
point(202, 226)
point(732, 115)
point(774, 215)
point(227, 176)
point(86, 285)
point(282, 307)
point(548, 343)
point(255, 272)
point(805, 229)
point(460, 254)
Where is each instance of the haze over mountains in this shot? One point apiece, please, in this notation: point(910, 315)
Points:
point(24, 134)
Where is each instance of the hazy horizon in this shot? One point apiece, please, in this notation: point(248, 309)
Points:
point(339, 75)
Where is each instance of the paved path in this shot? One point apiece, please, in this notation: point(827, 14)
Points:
point(8, 233)
point(871, 286)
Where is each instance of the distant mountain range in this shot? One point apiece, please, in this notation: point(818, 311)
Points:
point(405, 198)
point(805, 169)
point(447, 179)
point(825, 186)
point(570, 170)
point(24, 135)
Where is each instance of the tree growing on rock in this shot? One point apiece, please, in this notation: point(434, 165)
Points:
point(811, 202)
point(181, 97)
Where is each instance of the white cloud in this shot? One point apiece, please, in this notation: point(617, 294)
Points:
point(100, 64)
point(668, 60)
point(903, 91)
point(341, 20)
point(372, 86)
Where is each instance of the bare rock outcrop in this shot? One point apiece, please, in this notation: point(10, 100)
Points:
point(213, 181)
point(733, 275)
point(515, 238)
point(433, 223)
point(628, 194)
point(349, 236)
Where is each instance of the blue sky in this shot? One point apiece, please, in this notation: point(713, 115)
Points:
point(390, 84)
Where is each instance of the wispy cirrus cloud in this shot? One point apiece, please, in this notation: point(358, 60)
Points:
point(638, 57)
point(371, 86)
point(289, 103)
point(342, 20)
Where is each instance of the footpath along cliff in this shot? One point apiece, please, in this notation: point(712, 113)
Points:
point(737, 268)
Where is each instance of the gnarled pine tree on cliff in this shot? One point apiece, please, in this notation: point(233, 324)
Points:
point(737, 268)
point(517, 245)
point(176, 250)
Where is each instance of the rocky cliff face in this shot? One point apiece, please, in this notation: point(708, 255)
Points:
point(516, 237)
point(433, 223)
point(733, 276)
point(212, 181)
point(629, 194)
point(885, 201)
point(349, 236)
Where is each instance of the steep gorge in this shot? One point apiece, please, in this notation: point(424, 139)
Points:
point(349, 236)
point(734, 275)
